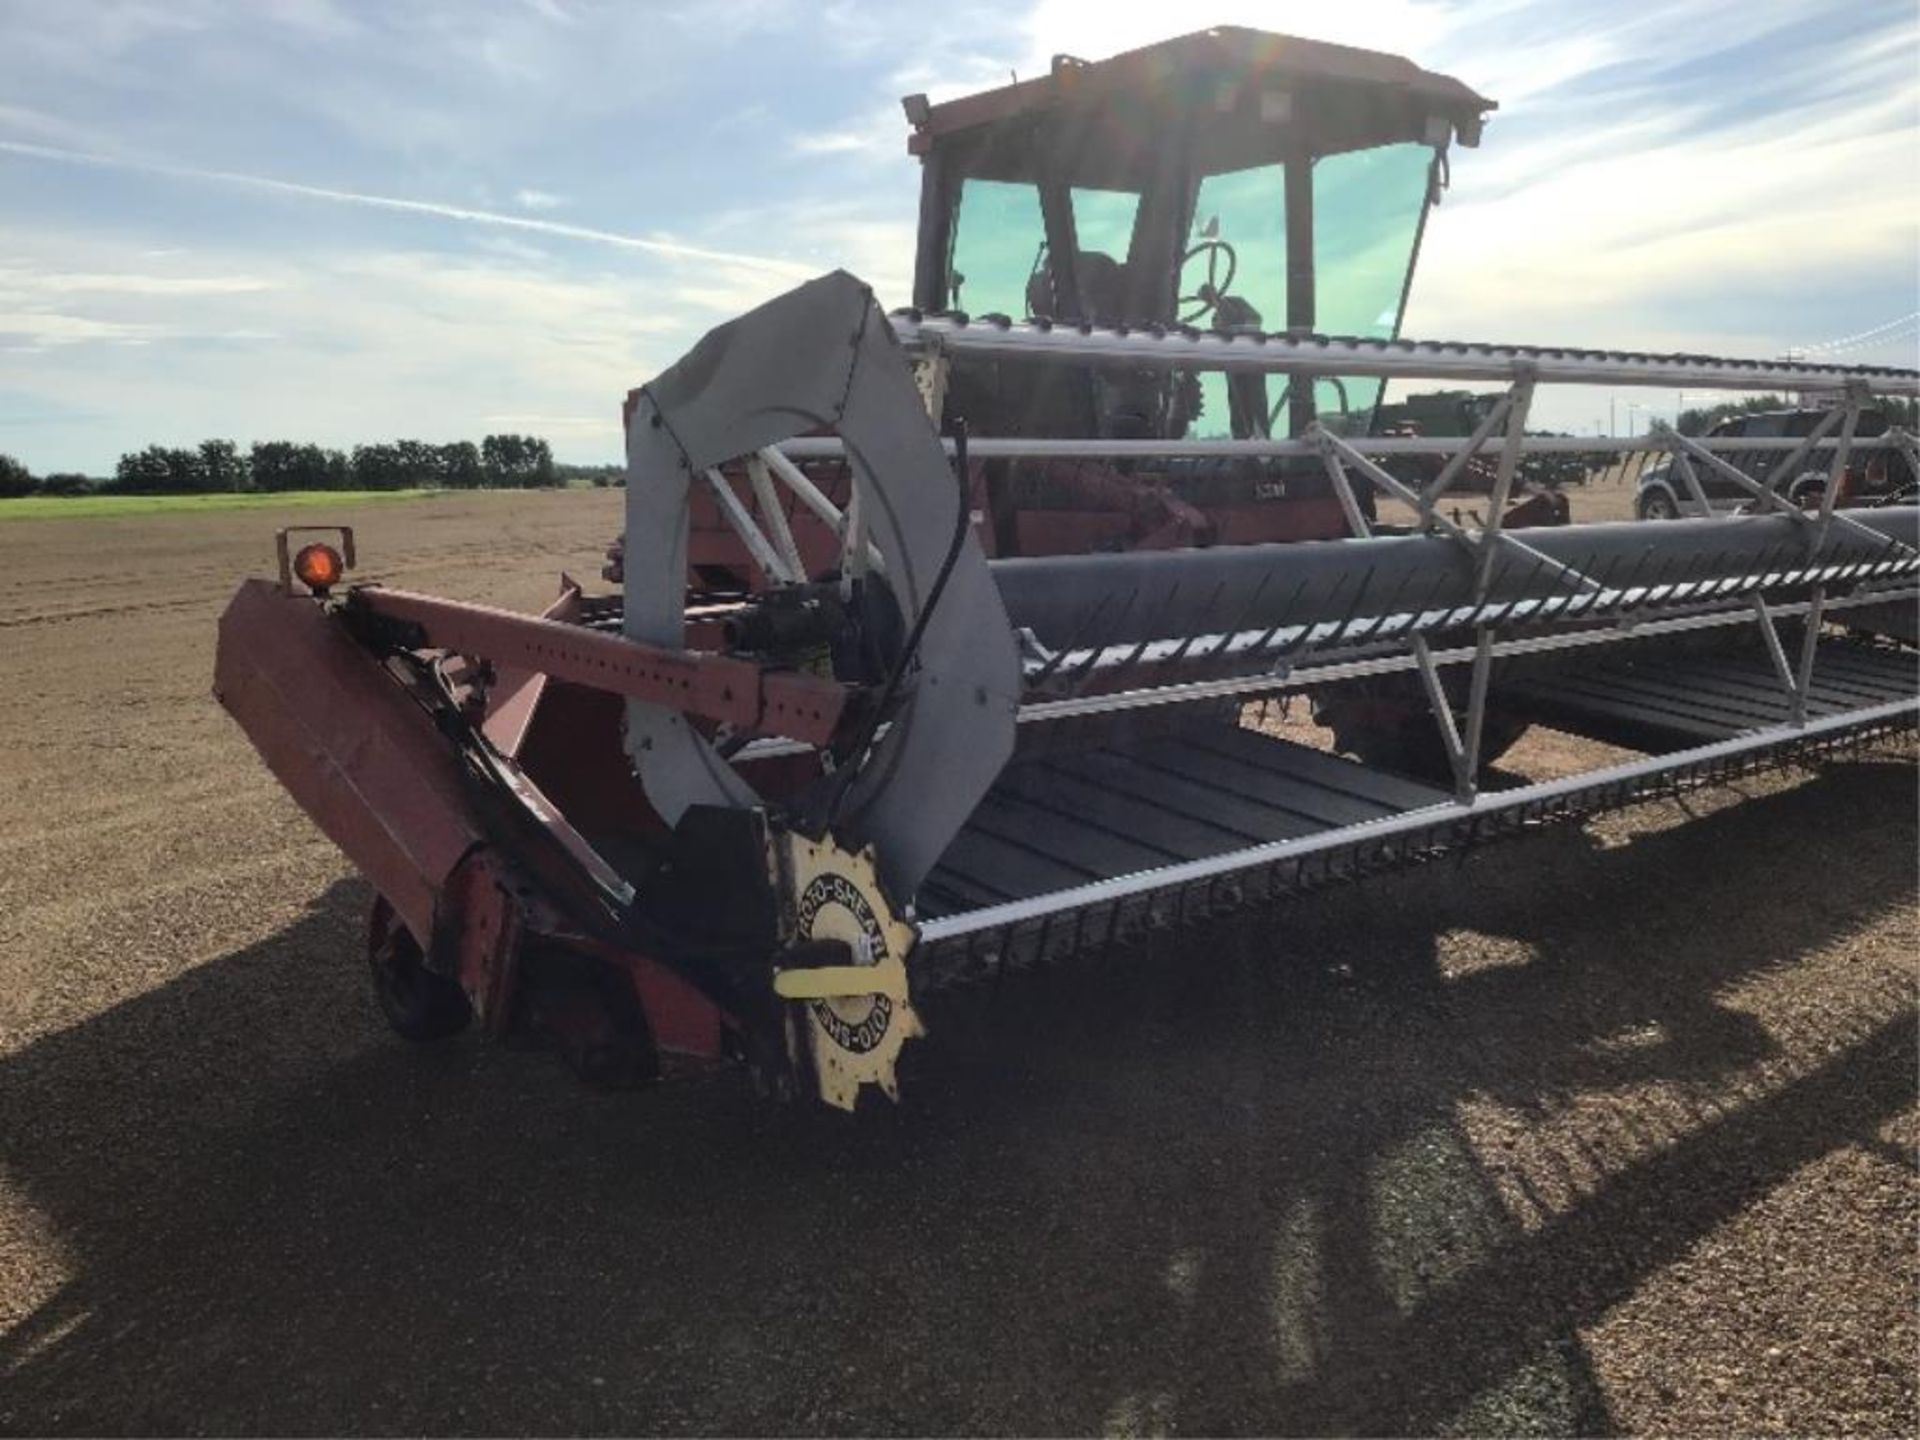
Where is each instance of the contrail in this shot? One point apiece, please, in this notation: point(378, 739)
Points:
point(1849, 342)
point(556, 228)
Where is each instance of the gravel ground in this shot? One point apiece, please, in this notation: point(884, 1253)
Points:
point(1609, 1129)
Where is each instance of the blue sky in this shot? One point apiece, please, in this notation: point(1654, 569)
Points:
point(342, 221)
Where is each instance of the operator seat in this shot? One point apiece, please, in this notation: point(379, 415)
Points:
point(1128, 406)
point(1103, 287)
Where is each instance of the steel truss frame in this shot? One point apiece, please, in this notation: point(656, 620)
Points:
point(1461, 740)
point(1386, 644)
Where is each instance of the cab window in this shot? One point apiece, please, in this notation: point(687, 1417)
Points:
point(1239, 225)
point(1103, 221)
point(1367, 206)
point(1236, 248)
point(999, 239)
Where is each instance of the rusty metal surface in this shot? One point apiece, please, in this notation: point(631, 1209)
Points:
point(476, 937)
point(717, 687)
point(359, 757)
point(374, 773)
point(515, 693)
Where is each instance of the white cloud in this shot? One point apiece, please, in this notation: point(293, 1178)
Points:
point(22, 119)
point(44, 306)
point(1628, 193)
point(128, 283)
point(1598, 236)
point(36, 330)
point(364, 346)
point(592, 427)
point(1096, 29)
point(458, 213)
point(834, 142)
point(41, 329)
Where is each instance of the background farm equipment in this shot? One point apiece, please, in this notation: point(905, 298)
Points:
point(1454, 413)
point(832, 747)
point(1876, 477)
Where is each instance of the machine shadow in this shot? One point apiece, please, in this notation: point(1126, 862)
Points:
point(1219, 1183)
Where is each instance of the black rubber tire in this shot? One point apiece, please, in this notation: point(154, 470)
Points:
point(1656, 505)
point(421, 1005)
point(1806, 490)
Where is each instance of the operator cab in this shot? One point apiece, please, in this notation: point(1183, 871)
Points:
point(1230, 179)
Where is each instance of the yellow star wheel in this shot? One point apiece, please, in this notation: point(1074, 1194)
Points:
point(852, 1020)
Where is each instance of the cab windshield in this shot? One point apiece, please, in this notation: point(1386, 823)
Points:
point(1367, 207)
point(1233, 274)
point(1001, 263)
point(999, 244)
point(1229, 271)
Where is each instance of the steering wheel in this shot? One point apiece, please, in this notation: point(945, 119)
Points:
point(1215, 285)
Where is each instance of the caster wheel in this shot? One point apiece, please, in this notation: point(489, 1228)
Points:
point(420, 1004)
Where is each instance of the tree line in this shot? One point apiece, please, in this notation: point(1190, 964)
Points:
point(221, 467)
point(16, 480)
point(217, 466)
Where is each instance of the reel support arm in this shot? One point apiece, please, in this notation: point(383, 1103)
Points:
point(733, 691)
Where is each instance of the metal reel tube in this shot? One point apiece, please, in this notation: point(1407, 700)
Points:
point(1131, 597)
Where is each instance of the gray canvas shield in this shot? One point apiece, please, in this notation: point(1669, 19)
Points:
point(824, 356)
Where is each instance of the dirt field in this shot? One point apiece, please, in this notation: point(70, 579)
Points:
point(1609, 1129)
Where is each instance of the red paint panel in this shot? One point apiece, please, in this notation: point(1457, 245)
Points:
point(514, 694)
point(573, 752)
point(1262, 522)
point(1070, 532)
point(683, 1021)
point(483, 925)
point(352, 749)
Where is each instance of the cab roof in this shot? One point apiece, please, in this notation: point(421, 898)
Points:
point(1250, 96)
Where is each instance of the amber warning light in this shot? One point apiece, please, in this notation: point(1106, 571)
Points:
point(319, 567)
